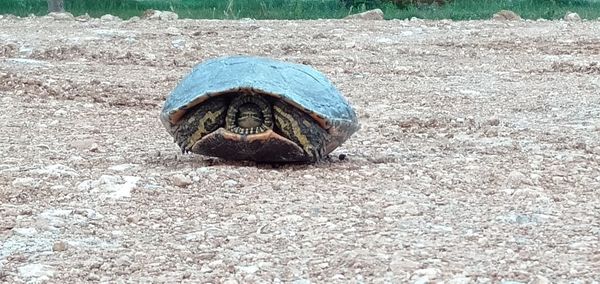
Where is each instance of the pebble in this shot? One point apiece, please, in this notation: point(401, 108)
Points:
point(122, 167)
point(230, 183)
point(493, 121)
point(400, 264)
point(178, 43)
point(60, 112)
point(133, 218)
point(111, 186)
point(93, 277)
point(430, 273)
point(83, 18)
point(540, 280)
point(460, 280)
point(156, 213)
point(84, 145)
point(116, 234)
point(292, 218)
point(215, 264)
point(64, 16)
point(173, 31)
point(515, 179)
point(25, 232)
point(35, 270)
point(109, 18)
point(311, 177)
point(249, 269)
point(59, 246)
point(57, 170)
point(490, 132)
point(251, 218)
point(186, 275)
point(123, 261)
point(26, 182)
point(181, 180)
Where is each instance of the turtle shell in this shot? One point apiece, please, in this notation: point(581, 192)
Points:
point(299, 85)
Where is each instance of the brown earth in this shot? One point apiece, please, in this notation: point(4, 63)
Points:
point(477, 161)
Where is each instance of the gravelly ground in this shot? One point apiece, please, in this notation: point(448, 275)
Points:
point(477, 161)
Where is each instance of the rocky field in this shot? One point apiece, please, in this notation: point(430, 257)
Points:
point(478, 158)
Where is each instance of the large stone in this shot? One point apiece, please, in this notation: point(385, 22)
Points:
point(109, 18)
point(506, 15)
point(375, 14)
point(159, 15)
point(572, 17)
point(61, 16)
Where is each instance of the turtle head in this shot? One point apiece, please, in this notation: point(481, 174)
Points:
point(249, 116)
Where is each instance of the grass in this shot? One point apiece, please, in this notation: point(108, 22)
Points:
point(308, 9)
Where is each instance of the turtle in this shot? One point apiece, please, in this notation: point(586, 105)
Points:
point(261, 109)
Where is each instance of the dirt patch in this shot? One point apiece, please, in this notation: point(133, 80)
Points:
point(477, 160)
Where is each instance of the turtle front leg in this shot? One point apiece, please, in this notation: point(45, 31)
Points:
point(301, 129)
point(200, 121)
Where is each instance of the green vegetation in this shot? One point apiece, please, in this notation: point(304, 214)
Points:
point(310, 9)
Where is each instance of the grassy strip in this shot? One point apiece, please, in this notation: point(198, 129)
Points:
point(484, 9)
point(307, 9)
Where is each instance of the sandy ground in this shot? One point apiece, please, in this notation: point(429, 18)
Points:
point(477, 161)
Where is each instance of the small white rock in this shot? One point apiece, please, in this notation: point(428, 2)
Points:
point(375, 14)
point(111, 186)
point(173, 31)
point(109, 18)
point(168, 16)
point(122, 167)
point(60, 112)
point(215, 264)
point(539, 279)
point(35, 270)
point(429, 273)
point(26, 182)
point(25, 232)
point(249, 269)
point(230, 183)
point(515, 179)
point(61, 16)
point(181, 180)
point(57, 170)
point(59, 246)
point(460, 280)
point(83, 18)
point(178, 43)
point(311, 177)
point(251, 218)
